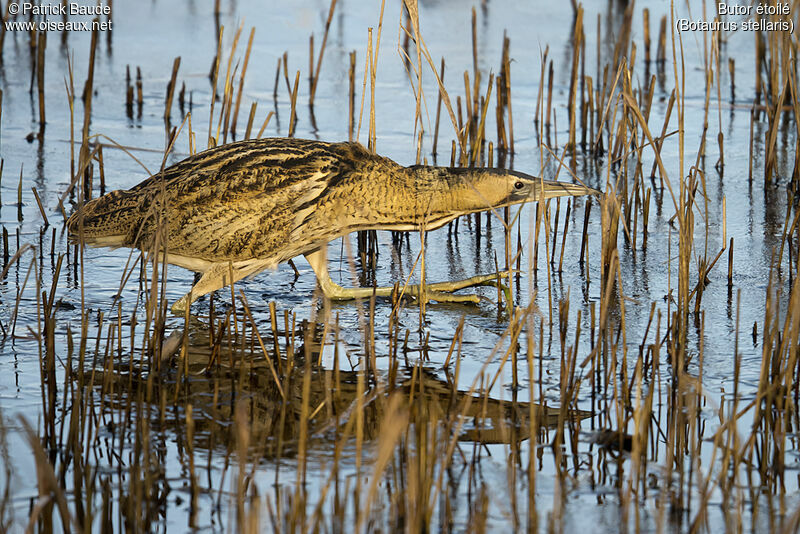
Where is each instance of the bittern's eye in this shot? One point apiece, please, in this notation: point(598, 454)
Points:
point(518, 185)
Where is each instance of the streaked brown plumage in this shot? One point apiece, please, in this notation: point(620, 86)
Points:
point(251, 205)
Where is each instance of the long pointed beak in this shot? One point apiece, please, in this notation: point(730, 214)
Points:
point(553, 189)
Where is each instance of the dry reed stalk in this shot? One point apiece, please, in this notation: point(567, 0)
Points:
point(293, 109)
point(264, 124)
point(5, 251)
point(250, 118)
point(469, 126)
point(241, 84)
point(539, 98)
point(507, 99)
point(773, 116)
point(40, 65)
point(310, 61)
point(660, 140)
point(277, 79)
point(139, 92)
point(271, 366)
point(547, 122)
point(555, 230)
point(367, 69)
point(88, 89)
point(227, 93)
point(477, 147)
point(171, 89)
point(573, 89)
point(214, 75)
point(243, 445)
point(720, 164)
point(41, 208)
point(661, 52)
point(395, 424)
point(6, 17)
point(474, 44)
point(352, 96)
point(50, 491)
point(19, 195)
point(101, 170)
point(373, 74)
point(730, 264)
point(646, 30)
point(502, 140)
point(315, 73)
point(564, 238)
point(610, 224)
point(411, 6)
point(462, 128)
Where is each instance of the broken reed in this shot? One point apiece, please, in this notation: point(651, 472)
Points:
point(228, 115)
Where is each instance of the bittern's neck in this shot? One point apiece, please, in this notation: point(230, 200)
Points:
point(436, 194)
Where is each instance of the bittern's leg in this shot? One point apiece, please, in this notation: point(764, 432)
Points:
point(216, 277)
point(439, 291)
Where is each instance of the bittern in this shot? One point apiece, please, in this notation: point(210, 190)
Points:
point(235, 210)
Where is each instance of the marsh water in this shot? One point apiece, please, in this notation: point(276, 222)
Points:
point(586, 491)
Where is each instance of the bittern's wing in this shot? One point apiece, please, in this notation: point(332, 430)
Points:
point(250, 211)
point(236, 202)
point(267, 199)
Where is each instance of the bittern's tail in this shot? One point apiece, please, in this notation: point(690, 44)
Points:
point(106, 221)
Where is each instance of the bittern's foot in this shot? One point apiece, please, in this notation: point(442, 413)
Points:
point(216, 277)
point(179, 308)
point(440, 291)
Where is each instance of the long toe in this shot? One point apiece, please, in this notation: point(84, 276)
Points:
point(179, 308)
point(441, 296)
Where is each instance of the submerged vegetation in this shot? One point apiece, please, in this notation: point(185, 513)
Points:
point(626, 371)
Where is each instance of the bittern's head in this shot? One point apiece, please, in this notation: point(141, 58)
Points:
point(478, 189)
